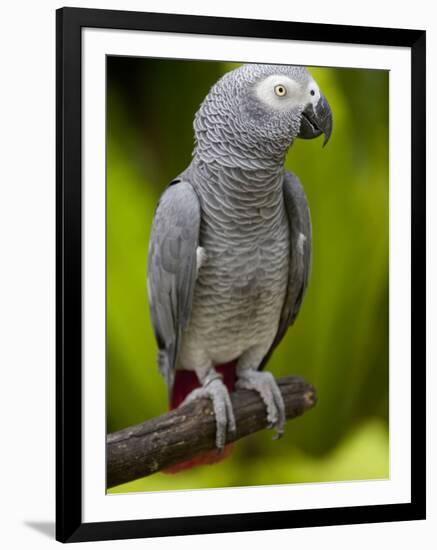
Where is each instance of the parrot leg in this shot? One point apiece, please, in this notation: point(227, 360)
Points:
point(263, 382)
point(214, 389)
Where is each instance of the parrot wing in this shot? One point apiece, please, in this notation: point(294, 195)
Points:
point(172, 270)
point(299, 220)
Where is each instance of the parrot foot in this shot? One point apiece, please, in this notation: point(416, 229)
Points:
point(216, 391)
point(265, 384)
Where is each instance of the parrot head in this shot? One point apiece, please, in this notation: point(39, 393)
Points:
point(259, 110)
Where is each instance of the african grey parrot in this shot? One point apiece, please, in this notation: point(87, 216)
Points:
point(230, 249)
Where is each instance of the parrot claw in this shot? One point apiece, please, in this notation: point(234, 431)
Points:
point(217, 392)
point(265, 384)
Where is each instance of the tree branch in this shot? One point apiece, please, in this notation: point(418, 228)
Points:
point(178, 435)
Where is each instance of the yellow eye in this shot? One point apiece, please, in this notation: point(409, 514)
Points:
point(280, 90)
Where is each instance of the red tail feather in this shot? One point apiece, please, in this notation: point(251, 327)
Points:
point(185, 382)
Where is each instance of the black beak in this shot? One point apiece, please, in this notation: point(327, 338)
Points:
point(316, 121)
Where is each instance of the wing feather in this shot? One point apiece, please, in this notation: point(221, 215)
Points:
point(171, 270)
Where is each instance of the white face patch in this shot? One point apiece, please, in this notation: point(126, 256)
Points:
point(295, 93)
point(313, 92)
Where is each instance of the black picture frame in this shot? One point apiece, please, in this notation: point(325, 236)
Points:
point(69, 25)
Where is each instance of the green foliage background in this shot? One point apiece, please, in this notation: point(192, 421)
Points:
point(340, 340)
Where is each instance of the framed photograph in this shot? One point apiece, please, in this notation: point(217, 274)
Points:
point(240, 275)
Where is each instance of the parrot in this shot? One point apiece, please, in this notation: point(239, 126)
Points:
point(230, 249)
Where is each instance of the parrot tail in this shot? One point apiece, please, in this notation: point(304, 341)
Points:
point(185, 382)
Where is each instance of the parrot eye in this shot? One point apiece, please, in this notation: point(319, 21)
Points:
point(312, 92)
point(280, 90)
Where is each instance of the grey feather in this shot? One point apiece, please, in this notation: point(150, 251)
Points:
point(249, 218)
point(171, 270)
point(299, 220)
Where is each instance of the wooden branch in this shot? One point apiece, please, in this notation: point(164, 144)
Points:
point(176, 436)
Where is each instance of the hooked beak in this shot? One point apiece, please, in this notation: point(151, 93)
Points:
point(316, 121)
